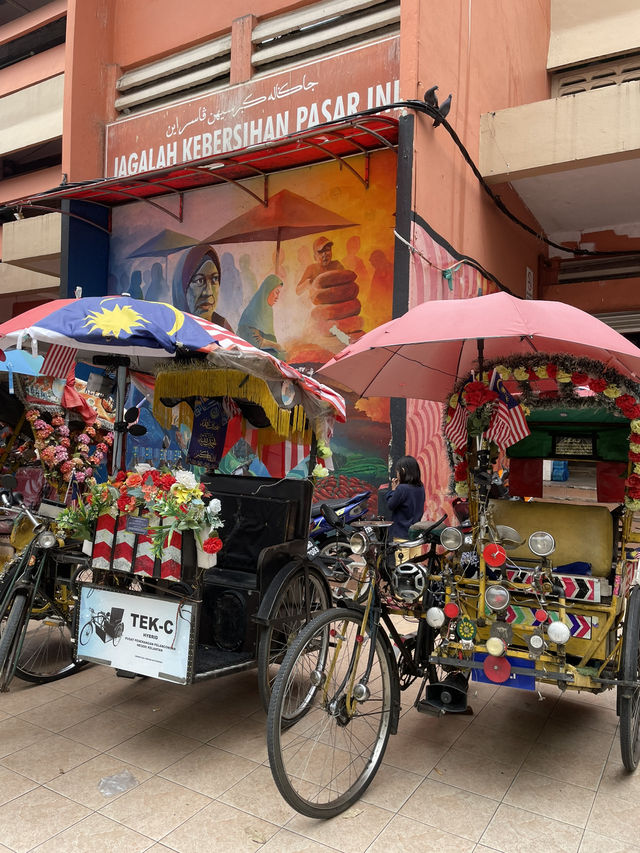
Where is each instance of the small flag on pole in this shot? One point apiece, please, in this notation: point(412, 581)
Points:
point(58, 361)
point(508, 424)
point(456, 429)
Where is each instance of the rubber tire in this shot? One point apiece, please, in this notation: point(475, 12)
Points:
point(628, 698)
point(319, 735)
point(117, 633)
point(10, 633)
point(85, 634)
point(268, 654)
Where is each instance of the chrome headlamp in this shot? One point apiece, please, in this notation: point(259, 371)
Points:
point(542, 544)
point(359, 542)
point(46, 539)
point(451, 538)
point(496, 597)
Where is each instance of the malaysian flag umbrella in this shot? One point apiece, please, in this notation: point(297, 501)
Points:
point(127, 332)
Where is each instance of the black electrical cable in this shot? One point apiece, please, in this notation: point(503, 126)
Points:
point(420, 106)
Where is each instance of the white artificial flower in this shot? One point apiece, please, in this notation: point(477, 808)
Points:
point(186, 479)
point(142, 467)
point(215, 506)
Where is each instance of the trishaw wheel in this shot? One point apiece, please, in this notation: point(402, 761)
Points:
point(9, 632)
point(629, 697)
point(330, 714)
point(288, 615)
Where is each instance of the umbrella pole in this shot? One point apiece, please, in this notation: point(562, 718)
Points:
point(121, 363)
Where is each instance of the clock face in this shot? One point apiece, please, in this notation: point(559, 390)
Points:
point(287, 392)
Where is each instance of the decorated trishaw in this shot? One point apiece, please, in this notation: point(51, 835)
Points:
point(537, 585)
point(198, 570)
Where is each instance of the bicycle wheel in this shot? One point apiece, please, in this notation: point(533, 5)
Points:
point(85, 634)
point(117, 633)
point(324, 746)
point(288, 615)
point(629, 697)
point(47, 650)
point(11, 631)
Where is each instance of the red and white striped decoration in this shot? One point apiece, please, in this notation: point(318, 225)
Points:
point(58, 361)
point(114, 548)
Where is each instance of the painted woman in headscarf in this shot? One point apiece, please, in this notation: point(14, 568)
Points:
point(256, 321)
point(196, 284)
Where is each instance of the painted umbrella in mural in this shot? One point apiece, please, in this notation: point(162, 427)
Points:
point(135, 333)
point(285, 217)
point(423, 354)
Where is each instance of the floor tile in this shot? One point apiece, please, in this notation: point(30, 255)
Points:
point(510, 719)
point(585, 714)
point(60, 713)
point(514, 830)
point(450, 809)
point(502, 746)
point(617, 781)
point(31, 696)
point(612, 817)
point(288, 842)
point(209, 770)
point(82, 678)
point(391, 787)
point(154, 749)
point(41, 765)
point(594, 843)
point(557, 800)
point(257, 794)
point(96, 833)
point(110, 691)
point(403, 835)
point(222, 829)
point(153, 705)
point(13, 785)
point(156, 807)
point(248, 738)
point(443, 730)
point(474, 773)
point(105, 729)
point(580, 738)
point(81, 783)
point(202, 721)
point(37, 816)
point(350, 832)
point(16, 734)
point(416, 756)
point(580, 767)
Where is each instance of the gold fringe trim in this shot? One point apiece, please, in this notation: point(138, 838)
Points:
point(199, 382)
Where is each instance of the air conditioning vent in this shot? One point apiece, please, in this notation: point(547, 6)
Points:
point(597, 75)
point(598, 269)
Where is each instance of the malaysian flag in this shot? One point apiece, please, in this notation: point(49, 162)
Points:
point(456, 428)
point(508, 424)
point(58, 361)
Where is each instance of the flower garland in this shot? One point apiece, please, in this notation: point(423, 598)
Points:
point(609, 390)
point(67, 453)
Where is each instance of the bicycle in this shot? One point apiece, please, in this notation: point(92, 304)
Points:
point(108, 626)
point(336, 699)
point(36, 602)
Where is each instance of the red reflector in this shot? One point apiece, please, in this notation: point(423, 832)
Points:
point(451, 610)
point(496, 669)
point(541, 615)
point(332, 632)
point(494, 555)
point(359, 638)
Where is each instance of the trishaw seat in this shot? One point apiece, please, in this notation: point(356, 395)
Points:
point(581, 533)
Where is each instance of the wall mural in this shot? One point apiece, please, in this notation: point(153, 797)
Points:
point(299, 278)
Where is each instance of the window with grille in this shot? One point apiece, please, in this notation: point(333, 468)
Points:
point(597, 75)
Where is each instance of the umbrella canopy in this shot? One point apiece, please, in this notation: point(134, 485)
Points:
point(163, 244)
point(423, 354)
point(287, 216)
point(149, 332)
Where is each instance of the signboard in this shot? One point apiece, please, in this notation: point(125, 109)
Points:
point(145, 634)
point(259, 111)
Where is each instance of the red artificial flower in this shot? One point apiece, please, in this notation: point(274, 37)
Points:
point(134, 479)
point(633, 486)
point(597, 384)
point(476, 394)
point(165, 481)
point(552, 370)
point(212, 545)
point(120, 477)
point(126, 503)
point(634, 457)
point(628, 406)
point(579, 378)
point(460, 471)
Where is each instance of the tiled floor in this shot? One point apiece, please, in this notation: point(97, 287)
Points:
point(526, 772)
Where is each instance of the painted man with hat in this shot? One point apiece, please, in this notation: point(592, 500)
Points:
point(322, 251)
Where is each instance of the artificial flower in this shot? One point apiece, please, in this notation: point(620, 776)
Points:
point(579, 378)
point(541, 371)
point(319, 471)
point(476, 394)
point(563, 376)
point(521, 373)
point(597, 384)
point(212, 545)
point(612, 391)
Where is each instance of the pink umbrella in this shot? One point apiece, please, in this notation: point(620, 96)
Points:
point(423, 354)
